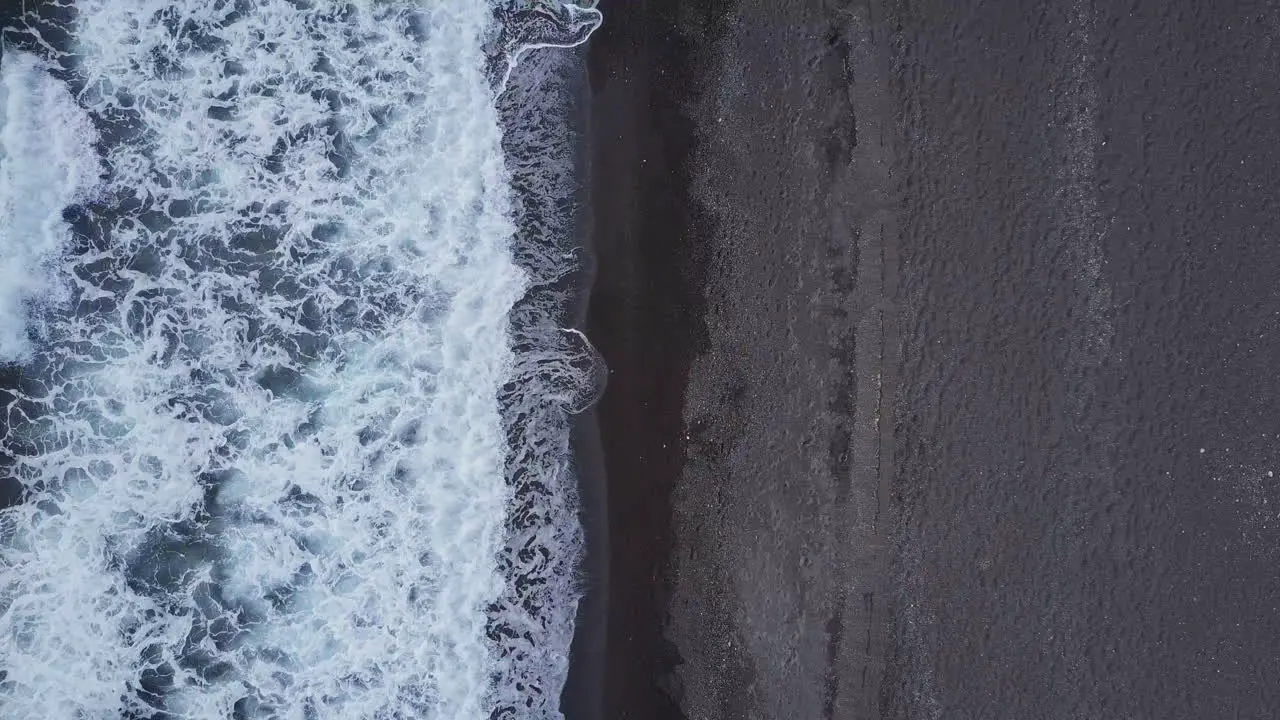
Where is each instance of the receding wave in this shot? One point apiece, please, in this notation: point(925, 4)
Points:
point(291, 371)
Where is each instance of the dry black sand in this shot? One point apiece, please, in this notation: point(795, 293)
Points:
point(944, 338)
point(1088, 417)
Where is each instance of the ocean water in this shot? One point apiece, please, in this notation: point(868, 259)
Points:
point(283, 359)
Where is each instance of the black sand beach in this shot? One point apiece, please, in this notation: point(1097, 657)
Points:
point(942, 338)
point(644, 316)
point(1088, 519)
point(741, 426)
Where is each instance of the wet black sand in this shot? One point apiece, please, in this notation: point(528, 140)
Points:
point(943, 339)
point(644, 316)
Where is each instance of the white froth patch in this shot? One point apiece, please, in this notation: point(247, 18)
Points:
point(290, 491)
point(270, 479)
point(47, 162)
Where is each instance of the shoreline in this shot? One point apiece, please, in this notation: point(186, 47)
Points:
point(582, 697)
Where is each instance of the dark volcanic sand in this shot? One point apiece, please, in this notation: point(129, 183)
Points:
point(644, 316)
point(943, 338)
point(1089, 402)
point(737, 259)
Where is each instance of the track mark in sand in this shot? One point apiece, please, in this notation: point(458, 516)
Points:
point(841, 285)
point(831, 679)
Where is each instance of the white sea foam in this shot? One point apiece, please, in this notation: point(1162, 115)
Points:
point(268, 469)
point(47, 162)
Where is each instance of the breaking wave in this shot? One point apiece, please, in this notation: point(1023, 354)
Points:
point(289, 371)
